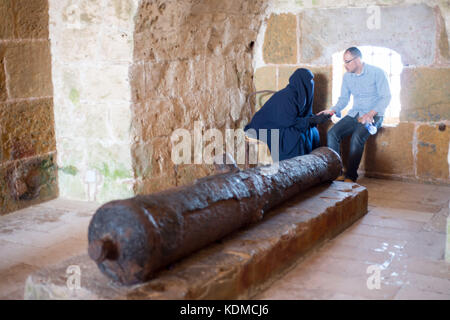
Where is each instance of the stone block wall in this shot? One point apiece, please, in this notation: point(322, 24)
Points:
point(192, 63)
point(92, 50)
point(305, 34)
point(118, 77)
point(28, 171)
point(127, 73)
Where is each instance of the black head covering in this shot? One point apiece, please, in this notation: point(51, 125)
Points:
point(301, 81)
point(288, 104)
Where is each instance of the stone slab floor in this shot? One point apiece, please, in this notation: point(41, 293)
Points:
point(403, 236)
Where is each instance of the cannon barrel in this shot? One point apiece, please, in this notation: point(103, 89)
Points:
point(131, 239)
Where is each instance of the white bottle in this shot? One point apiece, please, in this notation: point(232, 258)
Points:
point(371, 128)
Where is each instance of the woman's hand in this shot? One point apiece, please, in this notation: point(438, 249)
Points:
point(319, 118)
point(327, 112)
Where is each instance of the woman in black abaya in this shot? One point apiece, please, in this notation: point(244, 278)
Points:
point(290, 111)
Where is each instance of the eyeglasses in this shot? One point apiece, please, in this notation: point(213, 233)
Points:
point(348, 61)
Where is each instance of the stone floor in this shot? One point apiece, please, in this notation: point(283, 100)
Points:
point(403, 236)
point(39, 236)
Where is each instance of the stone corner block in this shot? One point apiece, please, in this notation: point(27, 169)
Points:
point(390, 151)
point(28, 182)
point(32, 19)
point(29, 71)
point(280, 41)
point(432, 153)
point(28, 129)
point(425, 94)
point(265, 78)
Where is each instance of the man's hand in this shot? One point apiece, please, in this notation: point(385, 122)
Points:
point(368, 117)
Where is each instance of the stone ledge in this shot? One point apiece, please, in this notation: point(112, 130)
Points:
point(237, 267)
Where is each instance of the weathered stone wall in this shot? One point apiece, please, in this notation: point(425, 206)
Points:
point(306, 34)
point(192, 62)
point(127, 73)
point(118, 77)
point(92, 50)
point(27, 139)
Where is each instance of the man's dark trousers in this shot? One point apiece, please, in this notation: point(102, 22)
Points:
point(350, 126)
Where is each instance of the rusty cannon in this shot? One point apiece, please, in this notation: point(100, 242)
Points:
point(131, 239)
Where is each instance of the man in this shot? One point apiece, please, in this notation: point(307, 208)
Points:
point(371, 95)
point(289, 112)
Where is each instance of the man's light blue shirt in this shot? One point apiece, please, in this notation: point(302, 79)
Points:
point(370, 90)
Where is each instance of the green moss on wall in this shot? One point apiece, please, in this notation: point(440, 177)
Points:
point(72, 170)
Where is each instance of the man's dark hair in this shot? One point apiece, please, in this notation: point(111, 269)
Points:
point(354, 51)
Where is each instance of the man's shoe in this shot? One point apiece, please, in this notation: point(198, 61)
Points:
point(341, 178)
